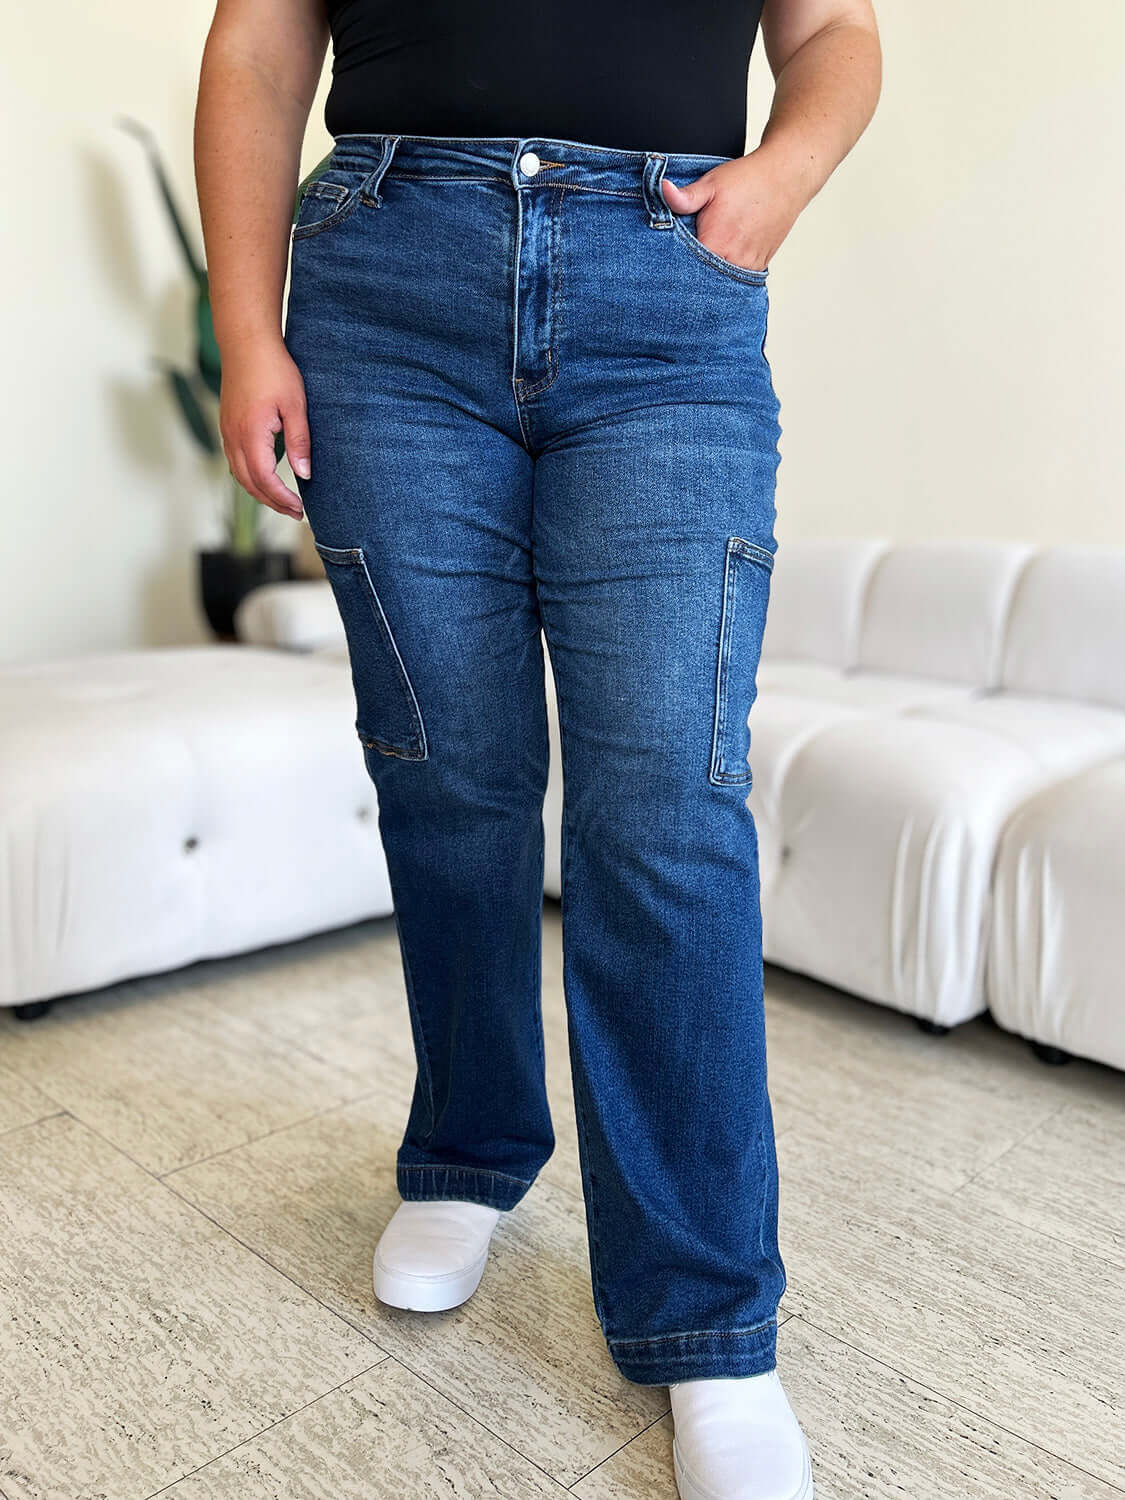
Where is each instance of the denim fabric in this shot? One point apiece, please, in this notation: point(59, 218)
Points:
point(538, 403)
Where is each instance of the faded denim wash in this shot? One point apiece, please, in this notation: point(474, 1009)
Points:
point(539, 403)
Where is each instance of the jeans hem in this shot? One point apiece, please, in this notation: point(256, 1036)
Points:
point(427, 1182)
point(708, 1354)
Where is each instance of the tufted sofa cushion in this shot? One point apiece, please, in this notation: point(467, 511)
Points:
point(168, 805)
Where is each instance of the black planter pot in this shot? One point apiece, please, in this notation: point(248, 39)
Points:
point(225, 578)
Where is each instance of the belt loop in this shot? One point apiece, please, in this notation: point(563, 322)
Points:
point(369, 187)
point(659, 214)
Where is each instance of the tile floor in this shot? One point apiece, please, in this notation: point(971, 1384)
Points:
point(194, 1169)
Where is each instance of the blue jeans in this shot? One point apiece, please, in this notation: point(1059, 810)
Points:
point(541, 407)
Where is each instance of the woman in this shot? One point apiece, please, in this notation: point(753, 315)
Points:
point(523, 386)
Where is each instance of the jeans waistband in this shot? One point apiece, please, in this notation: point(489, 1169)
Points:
point(508, 159)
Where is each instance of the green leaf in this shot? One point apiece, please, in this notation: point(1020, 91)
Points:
point(208, 350)
point(198, 423)
point(140, 133)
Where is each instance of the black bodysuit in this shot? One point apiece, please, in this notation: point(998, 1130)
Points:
point(662, 75)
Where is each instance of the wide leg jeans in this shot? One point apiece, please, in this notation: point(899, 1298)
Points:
point(541, 408)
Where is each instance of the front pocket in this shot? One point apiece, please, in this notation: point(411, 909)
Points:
point(746, 590)
point(388, 717)
point(687, 237)
point(324, 203)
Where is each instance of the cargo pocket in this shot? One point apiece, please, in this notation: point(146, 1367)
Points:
point(388, 718)
point(746, 589)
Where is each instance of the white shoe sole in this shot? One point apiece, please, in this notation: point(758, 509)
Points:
point(427, 1293)
point(689, 1490)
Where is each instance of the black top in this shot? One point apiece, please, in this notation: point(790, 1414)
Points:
point(661, 75)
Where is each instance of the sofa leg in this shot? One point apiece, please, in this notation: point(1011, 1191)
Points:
point(1053, 1056)
point(931, 1028)
point(32, 1010)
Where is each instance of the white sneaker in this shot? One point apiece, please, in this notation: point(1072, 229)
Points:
point(738, 1439)
point(432, 1254)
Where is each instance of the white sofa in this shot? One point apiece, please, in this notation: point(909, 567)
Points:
point(162, 806)
point(938, 751)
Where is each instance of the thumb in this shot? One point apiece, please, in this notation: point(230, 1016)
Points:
point(689, 199)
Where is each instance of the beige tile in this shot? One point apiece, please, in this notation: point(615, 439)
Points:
point(138, 1340)
point(1066, 1179)
point(21, 1103)
point(1017, 1327)
point(524, 1356)
point(167, 1078)
point(924, 1119)
point(802, 1012)
point(873, 1435)
point(938, 1109)
point(339, 995)
point(641, 1470)
point(384, 1436)
point(312, 1200)
point(950, 1206)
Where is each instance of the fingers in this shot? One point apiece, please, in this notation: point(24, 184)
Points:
point(253, 461)
point(298, 445)
point(736, 235)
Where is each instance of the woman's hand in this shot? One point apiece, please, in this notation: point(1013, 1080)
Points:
point(263, 394)
point(746, 207)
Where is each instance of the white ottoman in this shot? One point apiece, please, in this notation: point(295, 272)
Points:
point(163, 806)
point(1057, 954)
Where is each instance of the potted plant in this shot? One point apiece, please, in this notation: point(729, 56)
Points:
point(227, 573)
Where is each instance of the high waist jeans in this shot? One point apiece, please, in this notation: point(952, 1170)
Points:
point(540, 408)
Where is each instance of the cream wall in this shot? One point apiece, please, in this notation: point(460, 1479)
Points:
point(105, 498)
point(946, 316)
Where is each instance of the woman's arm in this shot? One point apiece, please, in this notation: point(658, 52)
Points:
point(827, 62)
point(260, 70)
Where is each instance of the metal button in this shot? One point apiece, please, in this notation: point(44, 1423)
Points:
point(529, 163)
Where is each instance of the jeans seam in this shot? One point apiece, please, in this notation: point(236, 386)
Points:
point(306, 231)
point(538, 962)
point(766, 1255)
point(752, 551)
point(354, 559)
point(589, 1194)
point(517, 380)
point(544, 380)
point(412, 1005)
point(746, 275)
point(719, 771)
point(501, 180)
point(419, 750)
point(738, 549)
point(729, 620)
point(437, 1166)
point(435, 177)
point(714, 158)
point(695, 1333)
